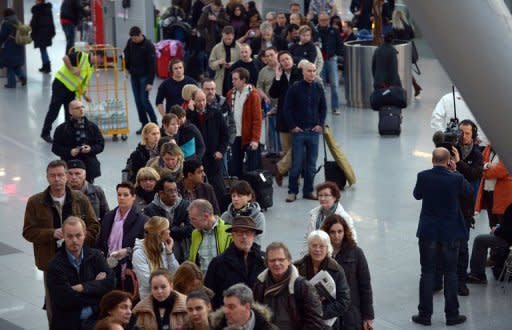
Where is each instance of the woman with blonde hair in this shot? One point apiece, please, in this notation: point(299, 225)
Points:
point(145, 182)
point(146, 149)
point(153, 252)
point(170, 161)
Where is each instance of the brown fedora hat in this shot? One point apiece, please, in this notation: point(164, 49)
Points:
point(244, 222)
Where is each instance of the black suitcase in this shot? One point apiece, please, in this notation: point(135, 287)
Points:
point(390, 120)
point(261, 183)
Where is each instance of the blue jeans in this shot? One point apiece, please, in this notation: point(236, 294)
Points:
point(69, 32)
point(12, 72)
point(273, 135)
point(330, 72)
point(141, 96)
point(432, 252)
point(304, 147)
point(44, 55)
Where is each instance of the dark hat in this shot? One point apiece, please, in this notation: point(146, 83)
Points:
point(76, 163)
point(244, 222)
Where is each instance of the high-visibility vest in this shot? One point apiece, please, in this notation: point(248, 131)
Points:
point(74, 83)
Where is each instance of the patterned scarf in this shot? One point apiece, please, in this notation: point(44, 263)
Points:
point(274, 288)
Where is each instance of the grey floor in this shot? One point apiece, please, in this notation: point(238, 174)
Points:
point(381, 202)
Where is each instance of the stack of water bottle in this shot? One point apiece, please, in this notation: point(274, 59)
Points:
point(108, 115)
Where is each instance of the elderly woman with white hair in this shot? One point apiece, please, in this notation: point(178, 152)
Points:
point(318, 259)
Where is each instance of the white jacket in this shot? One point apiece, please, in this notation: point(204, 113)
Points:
point(312, 224)
point(142, 269)
point(443, 112)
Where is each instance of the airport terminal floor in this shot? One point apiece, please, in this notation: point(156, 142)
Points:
point(381, 202)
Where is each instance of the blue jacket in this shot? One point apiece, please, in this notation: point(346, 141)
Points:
point(441, 218)
point(305, 105)
point(11, 55)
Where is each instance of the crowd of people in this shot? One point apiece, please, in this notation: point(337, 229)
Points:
point(181, 250)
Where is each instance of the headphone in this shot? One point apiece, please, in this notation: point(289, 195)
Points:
point(474, 128)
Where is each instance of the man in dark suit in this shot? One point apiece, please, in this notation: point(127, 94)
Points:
point(440, 230)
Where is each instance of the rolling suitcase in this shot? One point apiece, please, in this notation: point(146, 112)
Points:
point(261, 183)
point(390, 120)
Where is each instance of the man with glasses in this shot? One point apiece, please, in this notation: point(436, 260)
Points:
point(242, 261)
point(79, 138)
point(169, 204)
point(294, 301)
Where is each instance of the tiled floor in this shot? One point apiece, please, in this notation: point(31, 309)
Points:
point(381, 202)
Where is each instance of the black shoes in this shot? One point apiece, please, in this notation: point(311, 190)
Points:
point(139, 131)
point(463, 290)
point(473, 279)
point(422, 320)
point(47, 138)
point(457, 320)
point(46, 68)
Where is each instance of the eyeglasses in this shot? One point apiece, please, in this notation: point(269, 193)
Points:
point(242, 232)
point(79, 107)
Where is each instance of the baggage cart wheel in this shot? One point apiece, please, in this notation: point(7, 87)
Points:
point(124, 137)
point(115, 138)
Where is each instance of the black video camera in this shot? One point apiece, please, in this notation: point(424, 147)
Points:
point(452, 133)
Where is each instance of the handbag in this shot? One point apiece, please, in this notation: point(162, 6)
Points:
point(332, 171)
point(389, 96)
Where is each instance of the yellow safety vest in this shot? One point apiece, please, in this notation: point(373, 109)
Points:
point(74, 83)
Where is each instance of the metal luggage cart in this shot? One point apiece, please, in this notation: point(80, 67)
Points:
point(108, 92)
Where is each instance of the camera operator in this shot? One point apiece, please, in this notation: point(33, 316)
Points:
point(450, 105)
point(466, 156)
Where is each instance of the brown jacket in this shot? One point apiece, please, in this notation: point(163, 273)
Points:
point(145, 314)
point(251, 116)
point(38, 226)
point(304, 307)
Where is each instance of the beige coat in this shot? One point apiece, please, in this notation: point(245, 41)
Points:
point(146, 319)
point(219, 53)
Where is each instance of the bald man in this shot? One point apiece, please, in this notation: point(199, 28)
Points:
point(79, 138)
point(441, 228)
point(305, 110)
point(215, 134)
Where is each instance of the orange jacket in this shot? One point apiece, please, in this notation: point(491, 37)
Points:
point(252, 116)
point(503, 189)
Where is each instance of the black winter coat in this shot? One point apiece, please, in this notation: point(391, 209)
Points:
point(65, 139)
point(67, 304)
point(180, 226)
point(331, 41)
point(133, 227)
point(137, 160)
point(43, 29)
point(356, 270)
point(278, 90)
point(229, 268)
point(12, 55)
point(331, 307)
point(215, 131)
point(385, 67)
point(140, 59)
point(72, 10)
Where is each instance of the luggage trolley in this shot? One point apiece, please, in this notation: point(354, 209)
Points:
point(108, 91)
